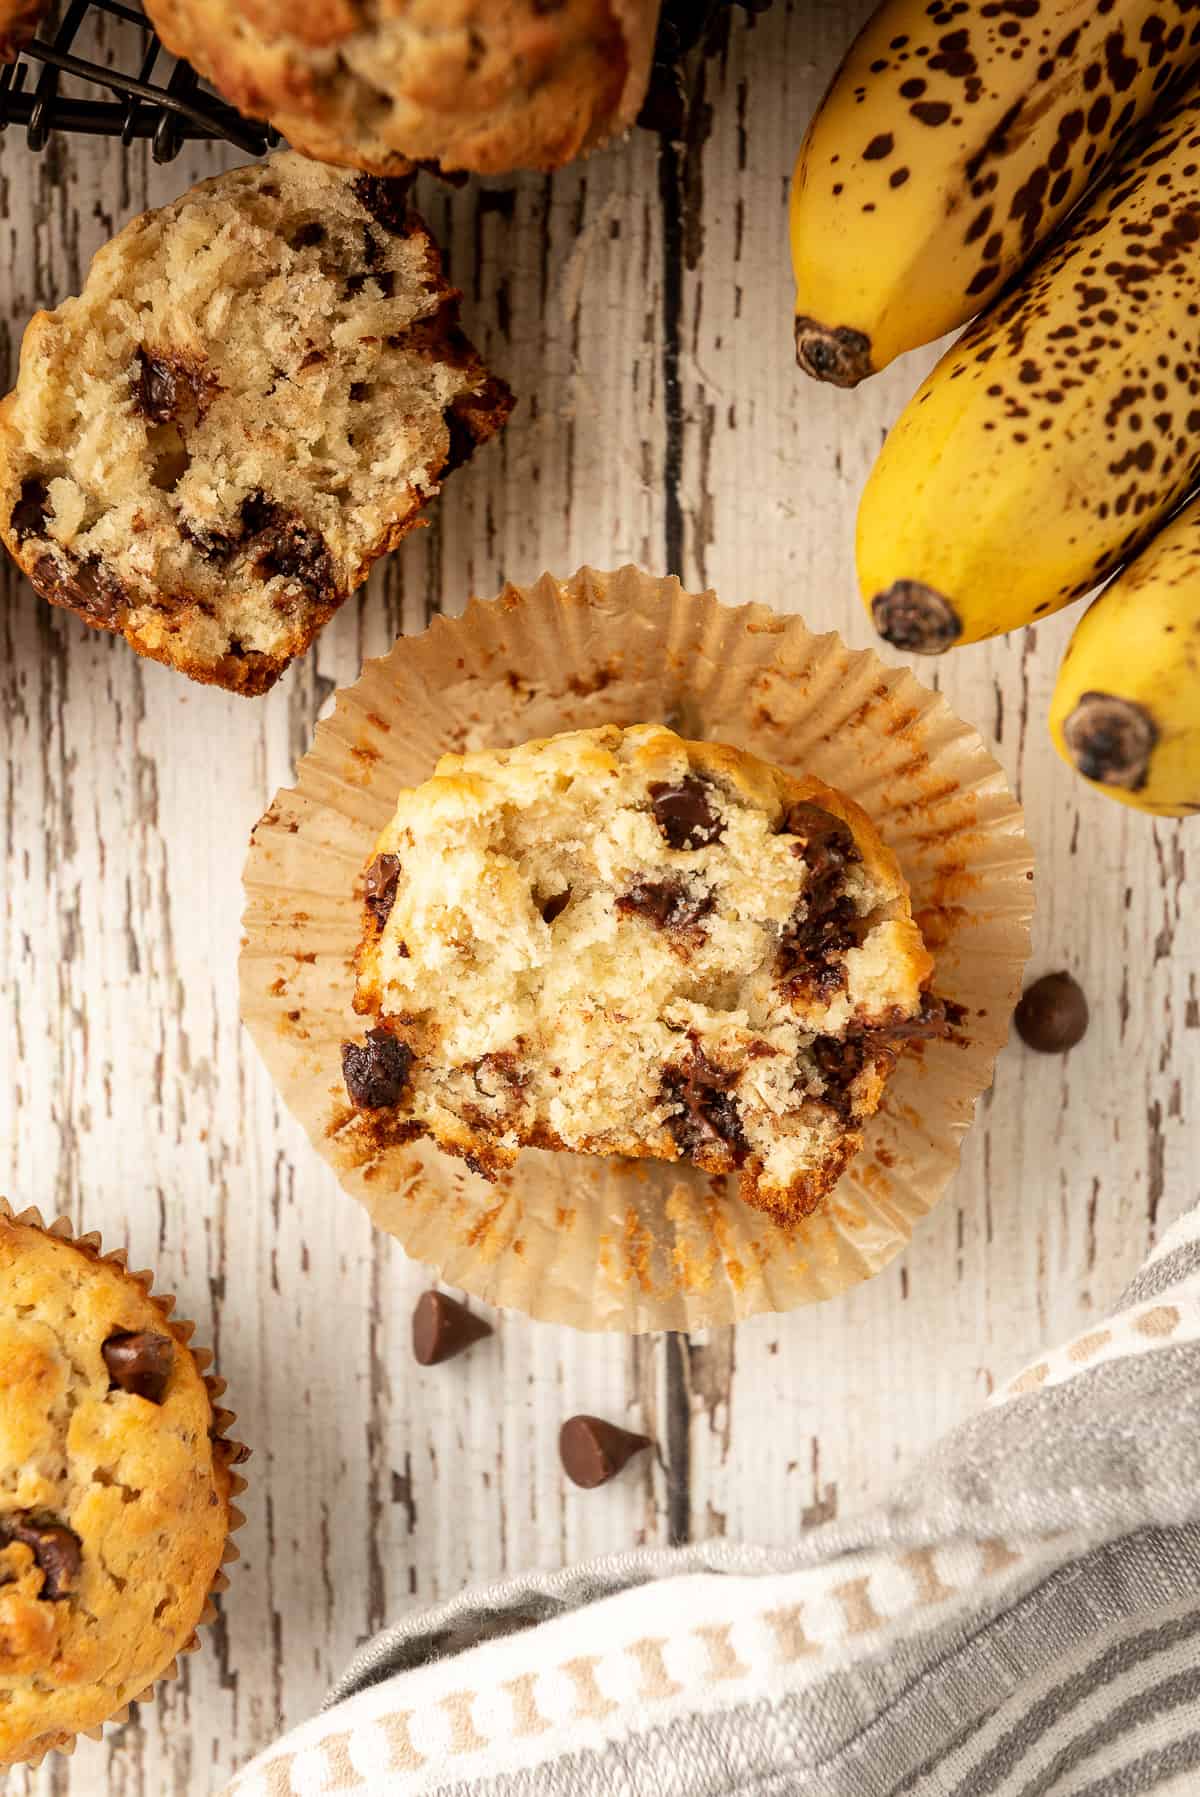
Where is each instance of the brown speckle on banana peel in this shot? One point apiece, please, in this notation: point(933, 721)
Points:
point(955, 136)
point(1053, 438)
point(1111, 740)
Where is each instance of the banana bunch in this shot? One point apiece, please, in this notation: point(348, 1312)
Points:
point(955, 136)
point(1062, 430)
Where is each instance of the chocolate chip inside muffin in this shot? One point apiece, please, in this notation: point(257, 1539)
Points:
point(618, 942)
point(255, 395)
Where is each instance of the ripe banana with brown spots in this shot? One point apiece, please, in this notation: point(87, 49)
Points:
point(954, 137)
point(1047, 445)
point(1126, 710)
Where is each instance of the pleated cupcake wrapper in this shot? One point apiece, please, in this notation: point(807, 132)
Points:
point(616, 1244)
point(227, 1448)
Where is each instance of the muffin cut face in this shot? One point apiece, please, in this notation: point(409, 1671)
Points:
point(114, 1490)
point(256, 393)
point(618, 942)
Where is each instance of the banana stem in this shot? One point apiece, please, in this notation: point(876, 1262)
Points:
point(1111, 740)
point(832, 353)
point(915, 618)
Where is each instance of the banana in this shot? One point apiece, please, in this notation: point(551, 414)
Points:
point(1126, 709)
point(953, 138)
point(1064, 424)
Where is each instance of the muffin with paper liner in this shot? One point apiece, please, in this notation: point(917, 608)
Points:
point(615, 1243)
point(116, 1487)
point(618, 942)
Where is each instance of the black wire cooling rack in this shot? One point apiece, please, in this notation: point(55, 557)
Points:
point(168, 112)
point(181, 108)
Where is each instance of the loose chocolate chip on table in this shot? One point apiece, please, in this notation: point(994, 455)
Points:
point(593, 1451)
point(377, 1073)
point(32, 511)
point(684, 813)
point(56, 1550)
point(442, 1328)
point(1053, 1014)
point(379, 886)
point(140, 1362)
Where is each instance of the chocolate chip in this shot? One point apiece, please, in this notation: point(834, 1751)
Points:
point(824, 843)
point(442, 1328)
point(667, 903)
point(593, 1451)
point(685, 814)
point(839, 1063)
point(379, 887)
point(473, 417)
point(213, 545)
point(385, 197)
point(282, 544)
point(377, 1073)
point(359, 391)
point(155, 387)
point(32, 511)
point(704, 1119)
point(56, 1550)
point(1053, 1014)
point(826, 924)
point(87, 587)
point(555, 906)
point(140, 1363)
point(309, 235)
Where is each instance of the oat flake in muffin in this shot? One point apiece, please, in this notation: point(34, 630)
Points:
point(619, 942)
point(115, 1488)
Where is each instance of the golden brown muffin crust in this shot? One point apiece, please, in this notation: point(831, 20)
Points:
point(114, 1507)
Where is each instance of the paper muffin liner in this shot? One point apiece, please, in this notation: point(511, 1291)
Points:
point(230, 1452)
point(638, 1245)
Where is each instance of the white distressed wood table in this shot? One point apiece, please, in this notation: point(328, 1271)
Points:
point(641, 306)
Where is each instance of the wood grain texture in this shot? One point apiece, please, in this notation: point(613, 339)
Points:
point(641, 307)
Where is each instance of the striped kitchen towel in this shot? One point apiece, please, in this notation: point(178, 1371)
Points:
point(1020, 1619)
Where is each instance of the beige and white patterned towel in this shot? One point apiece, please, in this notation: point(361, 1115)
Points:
point(1020, 1619)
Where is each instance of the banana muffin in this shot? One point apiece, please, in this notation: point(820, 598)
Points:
point(618, 942)
point(489, 85)
point(257, 392)
point(115, 1487)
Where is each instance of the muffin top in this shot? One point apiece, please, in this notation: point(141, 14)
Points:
point(114, 1489)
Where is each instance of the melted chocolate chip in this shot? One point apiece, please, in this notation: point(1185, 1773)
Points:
point(555, 906)
point(87, 587)
point(826, 923)
point(684, 813)
point(667, 903)
point(1053, 1014)
point(282, 544)
point(32, 511)
point(377, 1073)
point(155, 387)
point(593, 1451)
point(379, 887)
point(385, 197)
point(213, 545)
point(472, 418)
point(839, 1063)
point(56, 1551)
point(442, 1328)
point(140, 1363)
point(704, 1118)
point(166, 385)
